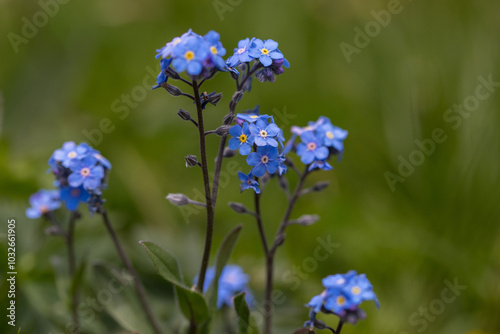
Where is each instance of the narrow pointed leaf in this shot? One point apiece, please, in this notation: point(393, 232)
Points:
point(192, 304)
point(165, 263)
point(223, 255)
point(243, 312)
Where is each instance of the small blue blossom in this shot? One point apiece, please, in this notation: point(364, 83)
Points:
point(311, 148)
point(282, 168)
point(73, 196)
point(248, 182)
point(264, 159)
point(216, 49)
point(100, 159)
point(264, 133)
point(162, 76)
point(250, 117)
point(265, 51)
point(333, 136)
point(342, 296)
point(189, 55)
point(320, 164)
point(241, 54)
point(242, 139)
point(43, 202)
point(68, 153)
point(88, 173)
point(232, 281)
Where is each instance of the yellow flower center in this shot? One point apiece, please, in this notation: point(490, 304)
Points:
point(340, 300)
point(189, 55)
point(254, 116)
point(72, 154)
point(264, 159)
point(264, 51)
point(213, 49)
point(263, 133)
point(243, 138)
point(311, 146)
point(356, 290)
point(85, 171)
point(329, 134)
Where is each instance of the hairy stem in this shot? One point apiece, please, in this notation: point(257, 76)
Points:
point(137, 283)
point(208, 196)
point(72, 268)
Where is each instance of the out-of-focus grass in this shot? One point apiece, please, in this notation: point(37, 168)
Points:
point(440, 224)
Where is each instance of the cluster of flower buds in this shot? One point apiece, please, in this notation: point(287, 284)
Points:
point(342, 296)
point(81, 174)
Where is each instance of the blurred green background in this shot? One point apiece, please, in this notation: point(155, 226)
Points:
point(441, 224)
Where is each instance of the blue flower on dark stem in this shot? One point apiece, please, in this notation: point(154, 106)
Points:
point(189, 55)
point(248, 182)
point(265, 51)
point(242, 139)
point(69, 152)
point(216, 49)
point(311, 148)
point(264, 159)
point(73, 196)
point(86, 172)
point(241, 54)
point(250, 118)
point(333, 136)
point(360, 289)
point(43, 202)
point(264, 133)
point(232, 281)
point(162, 76)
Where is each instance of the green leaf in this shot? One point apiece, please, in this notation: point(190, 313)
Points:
point(243, 312)
point(223, 255)
point(165, 263)
point(192, 304)
point(121, 303)
point(78, 277)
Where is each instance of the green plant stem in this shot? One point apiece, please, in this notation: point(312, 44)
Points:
point(72, 268)
point(208, 196)
point(137, 283)
point(270, 253)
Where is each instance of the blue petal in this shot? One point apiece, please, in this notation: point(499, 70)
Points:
point(32, 213)
point(235, 131)
point(271, 45)
point(242, 176)
point(179, 64)
point(259, 141)
point(253, 159)
point(234, 143)
point(245, 149)
point(272, 166)
point(301, 148)
point(321, 153)
point(307, 157)
point(273, 130)
point(265, 60)
point(272, 142)
point(194, 68)
point(75, 179)
point(259, 170)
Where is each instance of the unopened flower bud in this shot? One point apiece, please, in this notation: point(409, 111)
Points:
point(228, 153)
point(222, 130)
point(178, 199)
point(305, 220)
point(191, 160)
point(320, 186)
point(173, 90)
point(184, 114)
point(238, 207)
point(228, 119)
point(172, 73)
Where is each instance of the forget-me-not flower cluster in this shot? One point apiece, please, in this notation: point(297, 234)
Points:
point(81, 174)
point(342, 296)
